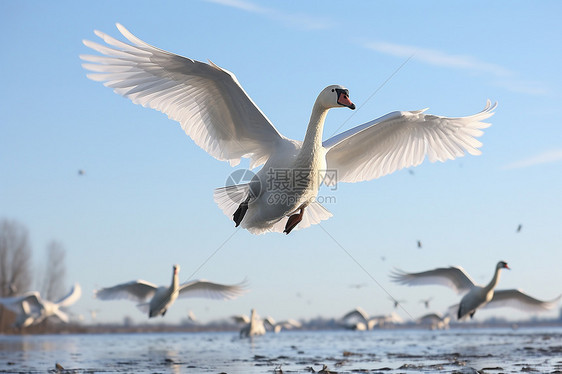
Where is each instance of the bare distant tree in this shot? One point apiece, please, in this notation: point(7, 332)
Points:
point(15, 258)
point(52, 285)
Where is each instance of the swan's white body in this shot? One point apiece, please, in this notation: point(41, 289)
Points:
point(161, 298)
point(31, 309)
point(254, 327)
point(476, 296)
point(220, 117)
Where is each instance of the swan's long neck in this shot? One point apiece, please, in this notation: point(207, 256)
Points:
point(494, 282)
point(313, 138)
point(175, 281)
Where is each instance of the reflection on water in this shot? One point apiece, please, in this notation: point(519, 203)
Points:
point(388, 351)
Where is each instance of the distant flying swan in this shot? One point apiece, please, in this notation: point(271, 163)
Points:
point(161, 298)
point(215, 111)
point(478, 296)
point(364, 322)
point(31, 309)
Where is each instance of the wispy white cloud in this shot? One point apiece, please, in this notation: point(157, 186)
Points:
point(500, 75)
point(438, 58)
point(298, 20)
point(542, 158)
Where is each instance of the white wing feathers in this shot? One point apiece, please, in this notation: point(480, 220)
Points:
point(454, 277)
point(400, 140)
point(209, 290)
point(520, 300)
point(135, 290)
point(72, 297)
point(208, 102)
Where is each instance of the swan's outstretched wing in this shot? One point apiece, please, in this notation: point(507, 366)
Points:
point(520, 300)
point(400, 140)
point(209, 290)
point(71, 297)
point(208, 102)
point(356, 313)
point(27, 303)
point(454, 277)
point(242, 318)
point(138, 290)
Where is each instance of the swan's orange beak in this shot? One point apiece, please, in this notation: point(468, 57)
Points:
point(507, 267)
point(343, 99)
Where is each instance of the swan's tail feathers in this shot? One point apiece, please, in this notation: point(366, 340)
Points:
point(229, 198)
point(313, 214)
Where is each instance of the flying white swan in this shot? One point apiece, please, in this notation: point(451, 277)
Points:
point(31, 309)
point(436, 321)
point(478, 296)
point(161, 298)
point(362, 321)
point(215, 111)
point(276, 327)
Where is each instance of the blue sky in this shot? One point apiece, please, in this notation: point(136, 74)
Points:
point(146, 202)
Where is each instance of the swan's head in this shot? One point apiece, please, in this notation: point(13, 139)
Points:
point(502, 265)
point(335, 96)
point(176, 269)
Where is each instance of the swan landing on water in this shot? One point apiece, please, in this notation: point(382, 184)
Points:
point(215, 111)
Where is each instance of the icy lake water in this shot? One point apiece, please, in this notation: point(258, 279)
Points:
point(378, 351)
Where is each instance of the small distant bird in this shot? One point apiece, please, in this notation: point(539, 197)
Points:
point(519, 228)
point(358, 285)
point(426, 302)
point(161, 298)
point(81, 172)
point(396, 302)
point(419, 244)
point(477, 296)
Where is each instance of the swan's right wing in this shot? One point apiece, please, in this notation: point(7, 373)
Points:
point(454, 277)
point(71, 297)
point(208, 102)
point(138, 290)
point(520, 300)
point(210, 290)
point(402, 139)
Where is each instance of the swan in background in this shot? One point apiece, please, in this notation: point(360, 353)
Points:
point(436, 321)
point(254, 327)
point(276, 327)
point(215, 111)
point(360, 320)
point(31, 309)
point(161, 298)
point(478, 296)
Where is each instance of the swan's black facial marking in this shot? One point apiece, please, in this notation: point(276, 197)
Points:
point(343, 98)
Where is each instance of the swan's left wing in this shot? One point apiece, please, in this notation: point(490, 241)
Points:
point(208, 102)
point(28, 303)
point(210, 290)
point(520, 300)
point(71, 297)
point(400, 140)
